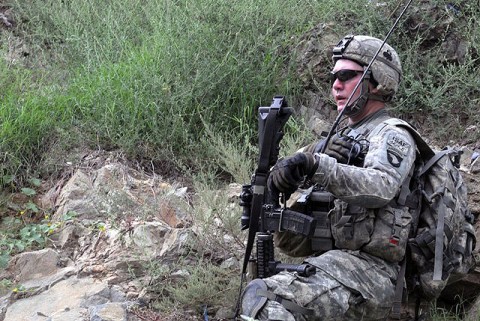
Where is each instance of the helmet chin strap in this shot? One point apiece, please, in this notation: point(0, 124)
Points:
point(357, 106)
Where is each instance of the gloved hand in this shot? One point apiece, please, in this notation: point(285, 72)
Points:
point(288, 173)
point(342, 148)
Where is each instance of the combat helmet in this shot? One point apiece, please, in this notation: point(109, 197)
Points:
point(386, 69)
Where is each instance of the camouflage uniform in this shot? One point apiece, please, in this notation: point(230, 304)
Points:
point(356, 281)
point(348, 285)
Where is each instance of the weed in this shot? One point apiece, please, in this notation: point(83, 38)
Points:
point(30, 228)
point(204, 285)
point(142, 86)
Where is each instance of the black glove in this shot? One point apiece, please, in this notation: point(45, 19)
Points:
point(343, 149)
point(288, 173)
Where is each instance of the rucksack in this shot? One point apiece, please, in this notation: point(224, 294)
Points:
point(442, 237)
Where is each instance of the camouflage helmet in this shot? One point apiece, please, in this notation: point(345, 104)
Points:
point(386, 68)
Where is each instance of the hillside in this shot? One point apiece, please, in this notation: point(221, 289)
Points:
point(127, 128)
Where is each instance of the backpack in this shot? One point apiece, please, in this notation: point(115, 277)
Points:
point(442, 236)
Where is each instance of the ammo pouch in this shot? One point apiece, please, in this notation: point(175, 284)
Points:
point(352, 225)
point(390, 235)
point(320, 203)
point(317, 204)
point(381, 232)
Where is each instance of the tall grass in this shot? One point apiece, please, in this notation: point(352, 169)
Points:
point(143, 76)
point(439, 92)
point(27, 117)
point(137, 75)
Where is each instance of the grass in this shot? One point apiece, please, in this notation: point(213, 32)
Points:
point(142, 76)
point(177, 83)
point(206, 286)
point(147, 86)
point(438, 82)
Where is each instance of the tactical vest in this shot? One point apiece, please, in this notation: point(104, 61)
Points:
point(317, 203)
point(381, 232)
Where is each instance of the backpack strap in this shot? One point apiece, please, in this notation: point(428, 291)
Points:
point(403, 198)
point(440, 228)
point(397, 301)
point(287, 304)
point(433, 160)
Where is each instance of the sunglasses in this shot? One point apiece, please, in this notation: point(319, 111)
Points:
point(344, 75)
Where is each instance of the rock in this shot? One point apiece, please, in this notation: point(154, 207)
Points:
point(172, 215)
point(473, 184)
point(149, 237)
point(180, 275)
point(230, 263)
point(116, 191)
point(33, 265)
point(157, 239)
point(233, 192)
point(115, 251)
point(108, 312)
point(69, 235)
point(66, 301)
point(38, 285)
point(225, 313)
point(74, 195)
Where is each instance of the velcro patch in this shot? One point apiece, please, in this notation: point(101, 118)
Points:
point(397, 149)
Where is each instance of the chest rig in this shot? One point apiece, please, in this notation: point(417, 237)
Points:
point(319, 203)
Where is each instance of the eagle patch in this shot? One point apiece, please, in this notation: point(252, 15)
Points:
point(397, 149)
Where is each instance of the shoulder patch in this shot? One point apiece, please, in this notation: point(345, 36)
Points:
point(397, 149)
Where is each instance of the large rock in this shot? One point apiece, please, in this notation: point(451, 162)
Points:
point(116, 191)
point(34, 265)
point(66, 300)
point(41, 278)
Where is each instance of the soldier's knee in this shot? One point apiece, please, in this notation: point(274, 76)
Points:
point(252, 301)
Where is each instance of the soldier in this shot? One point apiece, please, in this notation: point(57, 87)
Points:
point(356, 278)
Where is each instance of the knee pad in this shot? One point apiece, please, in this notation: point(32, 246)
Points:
point(252, 302)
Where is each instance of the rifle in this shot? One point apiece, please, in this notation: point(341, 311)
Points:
point(262, 213)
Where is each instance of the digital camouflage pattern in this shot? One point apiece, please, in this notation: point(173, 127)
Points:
point(390, 157)
point(350, 283)
point(366, 196)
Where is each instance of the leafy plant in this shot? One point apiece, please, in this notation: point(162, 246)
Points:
point(18, 236)
point(30, 228)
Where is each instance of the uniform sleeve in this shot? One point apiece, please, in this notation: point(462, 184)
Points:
point(388, 162)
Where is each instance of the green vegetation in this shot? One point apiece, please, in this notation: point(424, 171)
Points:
point(29, 227)
point(176, 83)
point(196, 288)
point(154, 79)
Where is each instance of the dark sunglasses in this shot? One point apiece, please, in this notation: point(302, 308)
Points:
point(344, 75)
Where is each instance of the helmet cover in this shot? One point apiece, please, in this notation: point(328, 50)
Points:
point(386, 68)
